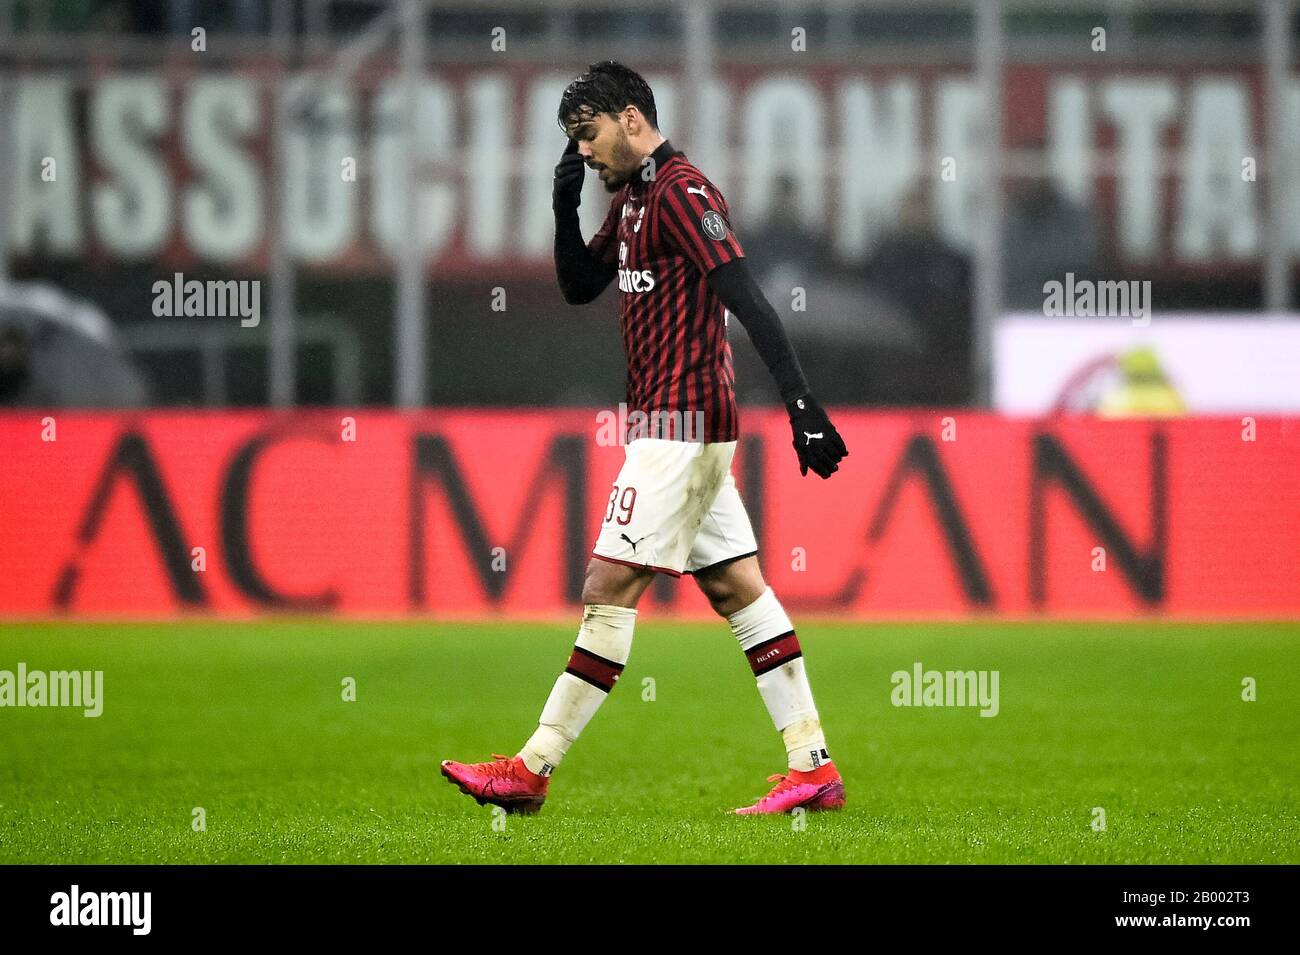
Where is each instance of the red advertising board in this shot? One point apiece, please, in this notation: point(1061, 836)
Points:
point(480, 513)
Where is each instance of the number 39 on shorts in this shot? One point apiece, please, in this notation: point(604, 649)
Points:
point(623, 502)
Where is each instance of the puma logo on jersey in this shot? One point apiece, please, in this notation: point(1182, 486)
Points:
point(809, 435)
point(633, 542)
point(699, 192)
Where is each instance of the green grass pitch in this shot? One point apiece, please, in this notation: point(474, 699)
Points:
point(247, 721)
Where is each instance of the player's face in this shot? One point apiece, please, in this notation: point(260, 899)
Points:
point(603, 144)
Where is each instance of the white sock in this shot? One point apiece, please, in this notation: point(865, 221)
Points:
point(767, 636)
point(599, 654)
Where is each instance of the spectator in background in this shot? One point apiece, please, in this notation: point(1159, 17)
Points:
point(827, 313)
point(784, 250)
point(15, 365)
point(1046, 236)
point(930, 284)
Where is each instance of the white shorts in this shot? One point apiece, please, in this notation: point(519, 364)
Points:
point(675, 508)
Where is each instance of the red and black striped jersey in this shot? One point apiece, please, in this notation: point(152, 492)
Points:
point(666, 230)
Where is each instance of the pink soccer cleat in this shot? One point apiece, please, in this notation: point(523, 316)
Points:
point(820, 789)
point(504, 782)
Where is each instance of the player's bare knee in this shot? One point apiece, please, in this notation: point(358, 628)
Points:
point(613, 584)
point(724, 607)
point(718, 590)
point(732, 587)
point(595, 590)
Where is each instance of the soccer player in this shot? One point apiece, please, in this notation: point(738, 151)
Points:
point(674, 507)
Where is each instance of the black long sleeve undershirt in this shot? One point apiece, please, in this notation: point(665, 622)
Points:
point(734, 284)
point(582, 276)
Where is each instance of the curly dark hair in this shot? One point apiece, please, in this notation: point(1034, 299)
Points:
point(607, 87)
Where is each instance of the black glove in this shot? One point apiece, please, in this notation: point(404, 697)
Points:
point(566, 194)
point(816, 442)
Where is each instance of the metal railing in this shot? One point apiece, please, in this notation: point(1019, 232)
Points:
point(214, 341)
